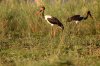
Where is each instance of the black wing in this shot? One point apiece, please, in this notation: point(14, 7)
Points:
point(75, 17)
point(54, 20)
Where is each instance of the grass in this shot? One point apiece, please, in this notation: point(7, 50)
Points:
point(25, 38)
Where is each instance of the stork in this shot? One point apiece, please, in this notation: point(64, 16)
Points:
point(78, 18)
point(50, 19)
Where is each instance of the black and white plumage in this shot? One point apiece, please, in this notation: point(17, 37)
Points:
point(50, 19)
point(53, 21)
point(77, 18)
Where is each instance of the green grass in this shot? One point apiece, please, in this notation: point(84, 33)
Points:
point(25, 39)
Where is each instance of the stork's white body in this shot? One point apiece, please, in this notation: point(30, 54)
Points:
point(46, 18)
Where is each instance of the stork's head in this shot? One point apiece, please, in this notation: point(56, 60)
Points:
point(41, 10)
point(89, 13)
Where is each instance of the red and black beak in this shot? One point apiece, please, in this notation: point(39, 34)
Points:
point(91, 16)
point(41, 10)
point(38, 12)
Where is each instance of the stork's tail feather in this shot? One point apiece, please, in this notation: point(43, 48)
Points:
point(61, 25)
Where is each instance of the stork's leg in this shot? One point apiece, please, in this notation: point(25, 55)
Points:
point(70, 28)
point(53, 31)
point(77, 28)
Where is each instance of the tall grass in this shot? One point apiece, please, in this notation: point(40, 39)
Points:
point(25, 38)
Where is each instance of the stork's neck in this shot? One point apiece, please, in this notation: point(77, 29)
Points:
point(43, 14)
point(86, 16)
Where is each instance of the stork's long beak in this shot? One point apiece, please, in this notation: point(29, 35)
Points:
point(38, 12)
point(91, 15)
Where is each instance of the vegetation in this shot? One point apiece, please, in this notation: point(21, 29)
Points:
point(25, 38)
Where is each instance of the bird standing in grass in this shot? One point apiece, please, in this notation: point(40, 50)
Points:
point(50, 19)
point(78, 18)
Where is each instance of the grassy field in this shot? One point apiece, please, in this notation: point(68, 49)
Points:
point(25, 39)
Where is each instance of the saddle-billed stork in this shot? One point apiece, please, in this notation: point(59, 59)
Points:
point(50, 19)
point(78, 18)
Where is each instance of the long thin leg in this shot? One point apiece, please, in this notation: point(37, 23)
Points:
point(76, 29)
point(53, 31)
